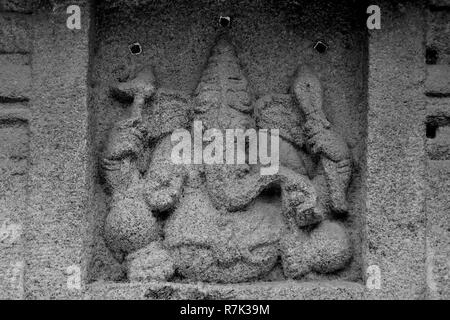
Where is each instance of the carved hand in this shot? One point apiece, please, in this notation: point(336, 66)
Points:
point(162, 195)
point(164, 181)
point(299, 199)
point(235, 187)
point(126, 140)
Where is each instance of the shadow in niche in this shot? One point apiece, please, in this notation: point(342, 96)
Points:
point(431, 129)
point(431, 55)
point(271, 41)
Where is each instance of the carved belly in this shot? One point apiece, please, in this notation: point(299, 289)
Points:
point(213, 246)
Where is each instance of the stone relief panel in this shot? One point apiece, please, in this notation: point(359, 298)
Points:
point(224, 223)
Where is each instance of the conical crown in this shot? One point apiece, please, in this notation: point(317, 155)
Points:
point(222, 95)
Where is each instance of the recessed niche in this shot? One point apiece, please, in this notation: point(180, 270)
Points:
point(270, 49)
point(431, 55)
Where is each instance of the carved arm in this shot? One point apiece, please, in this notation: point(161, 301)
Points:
point(322, 139)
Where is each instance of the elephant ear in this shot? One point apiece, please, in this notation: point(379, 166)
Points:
point(170, 110)
point(222, 97)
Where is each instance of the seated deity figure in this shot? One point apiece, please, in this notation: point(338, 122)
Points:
point(226, 223)
point(134, 144)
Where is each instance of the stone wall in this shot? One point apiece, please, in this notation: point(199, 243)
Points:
point(437, 91)
point(44, 144)
point(15, 93)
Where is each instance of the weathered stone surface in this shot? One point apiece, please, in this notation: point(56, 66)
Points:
point(280, 111)
point(438, 148)
point(15, 70)
point(438, 228)
point(438, 36)
point(395, 223)
point(14, 112)
point(438, 129)
point(440, 3)
point(230, 232)
point(287, 290)
point(14, 33)
point(110, 4)
point(437, 200)
point(100, 213)
point(227, 249)
point(150, 263)
point(23, 6)
point(62, 165)
point(171, 110)
point(14, 166)
point(332, 248)
point(129, 226)
point(438, 80)
point(326, 249)
point(438, 110)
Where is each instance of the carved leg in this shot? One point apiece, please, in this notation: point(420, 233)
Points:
point(293, 247)
point(326, 249)
point(130, 225)
point(153, 262)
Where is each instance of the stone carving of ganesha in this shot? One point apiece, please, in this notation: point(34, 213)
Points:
point(226, 223)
